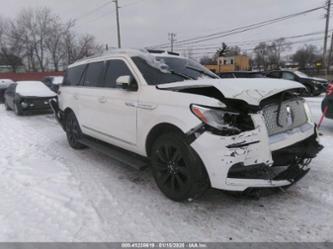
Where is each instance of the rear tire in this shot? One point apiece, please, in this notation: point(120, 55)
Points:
point(178, 171)
point(73, 132)
point(17, 109)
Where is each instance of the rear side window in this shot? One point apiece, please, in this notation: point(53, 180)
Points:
point(73, 76)
point(227, 75)
point(94, 74)
point(116, 68)
point(276, 75)
point(288, 76)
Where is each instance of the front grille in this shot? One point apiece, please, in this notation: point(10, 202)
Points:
point(292, 115)
point(38, 103)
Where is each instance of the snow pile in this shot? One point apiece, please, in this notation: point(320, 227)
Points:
point(33, 89)
point(57, 80)
point(4, 83)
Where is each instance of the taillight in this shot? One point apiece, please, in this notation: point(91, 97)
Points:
point(329, 90)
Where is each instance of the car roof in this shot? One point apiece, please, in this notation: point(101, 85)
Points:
point(125, 53)
point(249, 72)
point(29, 82)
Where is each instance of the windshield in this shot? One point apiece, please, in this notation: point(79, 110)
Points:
point(301, 75)
point(171, 69)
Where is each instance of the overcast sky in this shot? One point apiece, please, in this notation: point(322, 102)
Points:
point(148, 22)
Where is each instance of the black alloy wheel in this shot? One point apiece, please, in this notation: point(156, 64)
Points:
point(73, 132)
point(177, 169)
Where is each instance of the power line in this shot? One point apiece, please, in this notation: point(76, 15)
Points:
point(253, 48)
point(93, 10)
point(200, 39)
point(132, 3)
point(211, 46)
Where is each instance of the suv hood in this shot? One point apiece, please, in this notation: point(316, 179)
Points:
point(252, 91)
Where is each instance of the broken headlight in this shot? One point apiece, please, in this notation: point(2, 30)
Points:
point(223, 121)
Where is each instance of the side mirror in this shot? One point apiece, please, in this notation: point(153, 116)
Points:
point(126, 82)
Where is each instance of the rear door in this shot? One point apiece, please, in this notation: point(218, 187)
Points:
point(90, 91)
point(70, 90)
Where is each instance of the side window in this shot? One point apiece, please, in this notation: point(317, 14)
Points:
point(288, 76)
point(227, 75)
point(275, 75)
point(115, 69)
point(73, 76)
point(94, 74)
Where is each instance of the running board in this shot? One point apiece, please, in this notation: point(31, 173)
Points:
point(129, 158)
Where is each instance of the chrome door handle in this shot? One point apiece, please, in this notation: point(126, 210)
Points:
point(131, 104)
point(102, 100)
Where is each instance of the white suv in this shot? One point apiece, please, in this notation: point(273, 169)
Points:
point(194, 129)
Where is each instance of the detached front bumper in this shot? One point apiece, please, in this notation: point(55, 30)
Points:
point(252, 160)
point(59, 114)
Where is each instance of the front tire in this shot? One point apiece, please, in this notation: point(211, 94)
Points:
point(73, 132)
point(7, 106)
point(178, 171)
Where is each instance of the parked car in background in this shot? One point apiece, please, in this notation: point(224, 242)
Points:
point(327, 104)
point(194, 129)
point(28, 97)
point(53, 82)
point(314, 86)
point(241, 74)
point(4, 84)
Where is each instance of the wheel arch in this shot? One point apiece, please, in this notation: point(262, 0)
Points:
point(157, 131)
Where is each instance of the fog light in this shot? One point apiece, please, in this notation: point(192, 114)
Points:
point(24, 105)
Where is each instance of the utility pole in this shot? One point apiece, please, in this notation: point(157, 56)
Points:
point(118, 23)
point(172, 39)
point(327, 16)
point(329, 57)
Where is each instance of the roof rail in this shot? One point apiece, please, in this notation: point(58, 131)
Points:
point(156, 51)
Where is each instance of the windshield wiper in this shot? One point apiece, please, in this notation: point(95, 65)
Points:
point(202, 72)
point(181, 75)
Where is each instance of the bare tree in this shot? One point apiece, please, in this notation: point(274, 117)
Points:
point(307, 56)
point(11, 48)
point(55, 43)
point(268, 55)
point(42, 41)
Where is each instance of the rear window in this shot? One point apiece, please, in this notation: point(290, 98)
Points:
point(73, 75)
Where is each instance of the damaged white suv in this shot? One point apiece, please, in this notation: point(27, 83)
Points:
point(195, 130)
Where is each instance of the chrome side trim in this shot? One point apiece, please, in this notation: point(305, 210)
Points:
point(107, 135)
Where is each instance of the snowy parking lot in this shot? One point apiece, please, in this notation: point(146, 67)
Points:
point(49, 192)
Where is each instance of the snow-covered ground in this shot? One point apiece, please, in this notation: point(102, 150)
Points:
point(49, 192)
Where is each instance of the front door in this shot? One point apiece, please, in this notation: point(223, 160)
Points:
point(111, 112)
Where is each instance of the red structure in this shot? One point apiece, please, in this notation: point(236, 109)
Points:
point(29, 76)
